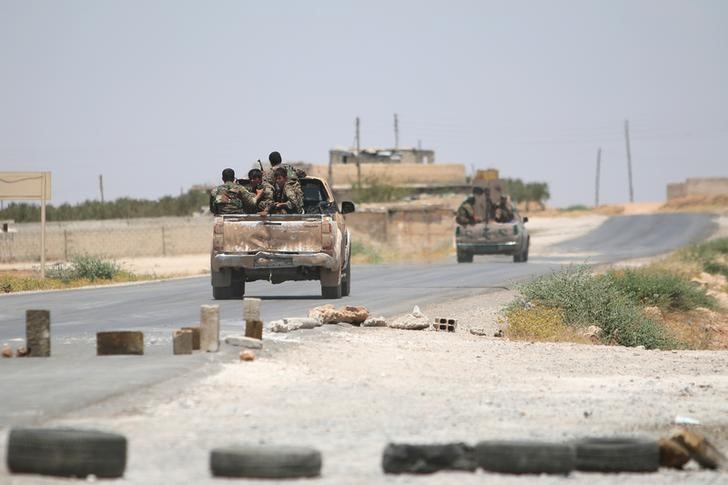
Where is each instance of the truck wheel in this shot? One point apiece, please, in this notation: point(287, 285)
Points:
point(522, 255)
point(464, 256)
point(346, 279)
point(235, 290)
point(331, 292)
point(331, 283)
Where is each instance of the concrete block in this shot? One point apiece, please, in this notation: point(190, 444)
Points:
point(251, 309)
point(445, 324)
point(210, 328)
point(241, 341)
point(38, 332)
point(195, 336)
point(182, 342)
point(120, 343)
point(254, 329)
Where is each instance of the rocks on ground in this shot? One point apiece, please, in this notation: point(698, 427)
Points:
point(328, 314)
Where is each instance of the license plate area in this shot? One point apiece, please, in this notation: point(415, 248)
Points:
point(264, 262)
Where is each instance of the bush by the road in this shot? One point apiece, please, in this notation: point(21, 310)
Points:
point(85, 266)
point(585, 299)
point(668, 291)
point(712, 256)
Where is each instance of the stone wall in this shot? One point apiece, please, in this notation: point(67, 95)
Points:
point(395, 174)
point(709, 186)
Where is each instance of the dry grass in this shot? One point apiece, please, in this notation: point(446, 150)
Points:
point(14, 281)
point(698, 203)
point(541, 324)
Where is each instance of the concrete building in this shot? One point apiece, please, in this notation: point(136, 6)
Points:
point(709, 186)
point(403, 155)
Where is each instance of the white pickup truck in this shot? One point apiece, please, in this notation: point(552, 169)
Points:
point(315, 245)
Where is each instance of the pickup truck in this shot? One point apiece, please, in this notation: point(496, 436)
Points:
point(492, 237)
point(315, 245)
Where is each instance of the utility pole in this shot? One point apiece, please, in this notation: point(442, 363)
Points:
point(599, 163)
point(629, 159)
point(396, 132)
point(101, 187)
point(419, 145)
point(358, 147)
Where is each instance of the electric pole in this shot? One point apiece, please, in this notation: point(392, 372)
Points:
point(629, 160)
point(101, 187)
point(599, 163)
point(396, 132)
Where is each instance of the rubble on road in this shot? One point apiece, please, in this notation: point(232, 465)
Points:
point(243, 341)
point(374, 322)
point(329, 314)
point(672, 453)
point(593, 333)
point(412, 321)
point(290, 324)
point(7, 351)
point(247, 355)
point(700, 449)
point(22, 351)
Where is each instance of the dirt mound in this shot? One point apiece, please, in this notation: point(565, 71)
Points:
point(698, 203)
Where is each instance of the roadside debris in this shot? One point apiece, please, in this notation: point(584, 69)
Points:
point(445, 324)
point(195, 336)
point(210, 328)
point(479, 331)
point(686, 420)
point(21, 351)
point(405, 458)
point(7, 351)
point(120, 343)
point(38, 332)
point(672, 453)
point(499, 333)
point(593, 333)
point(374, 322)
point(329, 314)
point(251, 314)
point(243, 341)
point(290, 324)
point(182, 342)
point(700, 449)
point(617, 454)
point(247, 355)
point(412, 321)
point(265, 461)
point(522, 457)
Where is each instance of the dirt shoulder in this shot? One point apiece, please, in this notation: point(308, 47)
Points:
point(348, 391)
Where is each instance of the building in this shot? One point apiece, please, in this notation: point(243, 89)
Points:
point(709, 186)
point(404, 155)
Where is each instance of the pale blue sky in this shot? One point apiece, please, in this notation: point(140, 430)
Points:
point(161, 95)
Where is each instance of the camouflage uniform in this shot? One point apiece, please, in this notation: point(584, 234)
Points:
point(266, 199)
point(293, 173)
point(231, 198)
point(292, 195)
point(466, 212)
point(503, 212)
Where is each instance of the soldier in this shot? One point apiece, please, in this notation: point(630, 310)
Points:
point(263, 191)
point(231, 197)
point(275, 161)
point(466, 212)
point(504, 210)
point(287, 196)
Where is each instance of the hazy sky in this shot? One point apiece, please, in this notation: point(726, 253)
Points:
point(160, 95)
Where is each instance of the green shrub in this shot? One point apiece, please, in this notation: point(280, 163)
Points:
point(85, 266)
point(586, 299)
point(666, 290)
point(358, 248)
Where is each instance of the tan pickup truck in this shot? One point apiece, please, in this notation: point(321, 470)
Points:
point(315, 245)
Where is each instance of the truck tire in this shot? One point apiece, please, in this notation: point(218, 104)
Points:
point(525, 457)
point(464, 256)
point(522, 255)
point(329, 290)
point(346, 279)
point(234, 291)
point(266, 462)
point(66, 452)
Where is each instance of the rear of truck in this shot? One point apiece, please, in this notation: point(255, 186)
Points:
point(510, 238)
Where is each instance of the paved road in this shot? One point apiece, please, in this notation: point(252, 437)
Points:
point(74, 377)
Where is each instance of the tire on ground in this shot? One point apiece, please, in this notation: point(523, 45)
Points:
point(66, 452)
point(617, 455)
point(266, 462)
point(419, 459)
point(525, 457)
point(464, 256)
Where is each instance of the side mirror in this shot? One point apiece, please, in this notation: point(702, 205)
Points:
point(525, 220)
point(347, 207)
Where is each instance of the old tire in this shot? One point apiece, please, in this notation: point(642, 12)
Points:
point(525, 457)
point(464, 256)
point(346, 279)
point(265, 462)
point(420, 459)
point(66, 452)
point(614, 455)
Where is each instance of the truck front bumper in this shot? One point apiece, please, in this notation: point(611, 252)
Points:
point(508, 247)
point(267, 260)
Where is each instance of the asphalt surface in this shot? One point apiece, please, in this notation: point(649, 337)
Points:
point(39, 389)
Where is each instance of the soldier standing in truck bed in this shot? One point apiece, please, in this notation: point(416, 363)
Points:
point(287, 195)
point(231, 197)
point(276, 161)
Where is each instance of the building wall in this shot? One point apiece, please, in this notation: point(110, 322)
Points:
point(403, 155)
point(398, 174)
point(709, 186)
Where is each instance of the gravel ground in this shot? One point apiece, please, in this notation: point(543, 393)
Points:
point(348, 391)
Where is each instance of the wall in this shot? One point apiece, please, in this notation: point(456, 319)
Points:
point(711, 186)
point(397, 174)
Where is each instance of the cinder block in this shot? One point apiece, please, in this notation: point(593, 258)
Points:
point(120, 343)
point(251, 309)
point(38, 332)
point(195, 336)
point(445, 324)
point(210, 328)
point(182, 342)
point(254, 329)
